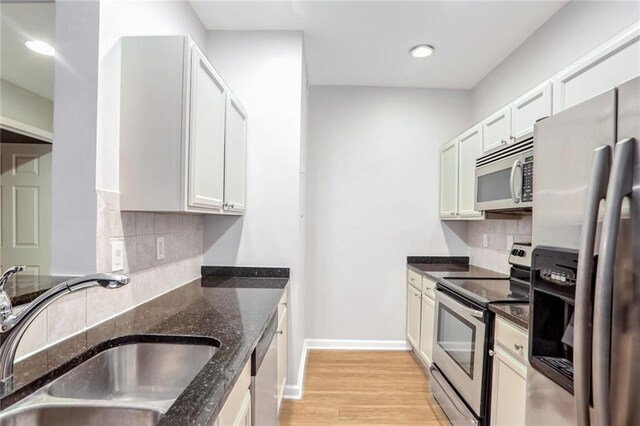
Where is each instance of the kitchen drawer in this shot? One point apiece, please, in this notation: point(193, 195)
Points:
point(513, 339)
point(429, 288)
point(414, 278)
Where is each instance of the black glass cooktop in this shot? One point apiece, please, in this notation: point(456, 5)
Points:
point(484, 292)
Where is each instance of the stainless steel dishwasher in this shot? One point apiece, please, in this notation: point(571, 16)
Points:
point(264, 365)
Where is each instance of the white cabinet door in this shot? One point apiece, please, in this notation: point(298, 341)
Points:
point(426, 329)
point(449, 180)
point(508, 390)
point(234, 156)
point(603, 69)
point(469, 149)
point(529, 108)
point(282, 356)
point(413, 316)
point(496, 130)
point(206, 135)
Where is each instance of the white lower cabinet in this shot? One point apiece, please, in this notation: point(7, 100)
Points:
point(426, 329)
point(414, 308)
point(282, 348)
point(509, 377)
point(237, 409)
point(420, 314)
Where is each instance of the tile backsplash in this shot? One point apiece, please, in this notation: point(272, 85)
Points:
point(183, 235)
point(495, 256)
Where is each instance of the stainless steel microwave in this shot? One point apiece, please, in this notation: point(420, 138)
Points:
point(504, 178)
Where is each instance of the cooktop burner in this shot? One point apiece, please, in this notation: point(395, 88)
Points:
point(484, 292)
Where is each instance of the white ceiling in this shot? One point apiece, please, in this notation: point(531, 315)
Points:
point(366, 43)
point(20, 22)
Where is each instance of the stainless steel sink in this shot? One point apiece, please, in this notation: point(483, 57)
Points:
point(131, 384)
point(135, 372)
point(60, 415)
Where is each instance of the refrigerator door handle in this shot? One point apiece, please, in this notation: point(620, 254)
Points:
point(583, 300)
point(620, 185)
point(515, 197)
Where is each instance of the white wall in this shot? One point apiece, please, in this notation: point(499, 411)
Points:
point(265, 71)
point(130, 18)
point(74, 206)
point(373, 172)
point(25, 106)
point(573, 31)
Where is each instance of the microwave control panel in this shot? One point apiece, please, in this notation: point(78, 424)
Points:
point(527, 179)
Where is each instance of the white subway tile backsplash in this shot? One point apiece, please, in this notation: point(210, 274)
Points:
point(496, 255)
point(66, 316)
point(101, 304)
point(35, 337)
point(162, 223)
point(75, 312)
point(145, 223)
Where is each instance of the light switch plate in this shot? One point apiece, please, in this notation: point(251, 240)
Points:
point(159, 248)
point(485, 240)
point(117, 256)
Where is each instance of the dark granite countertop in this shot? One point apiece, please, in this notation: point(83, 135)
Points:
point(22, 288)
point(517, 313)
point(233, 310)
point(435, 271)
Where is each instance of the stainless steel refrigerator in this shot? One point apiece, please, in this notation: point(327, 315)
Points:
point(585, 291)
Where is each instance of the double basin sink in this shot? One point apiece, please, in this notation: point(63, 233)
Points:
point(131, 384)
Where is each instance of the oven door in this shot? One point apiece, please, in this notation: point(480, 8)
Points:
point(500, 185)
point(459, 347)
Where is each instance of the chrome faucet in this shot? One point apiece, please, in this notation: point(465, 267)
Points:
point(13, 326)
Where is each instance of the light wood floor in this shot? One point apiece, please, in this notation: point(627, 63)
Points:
point(363, 388)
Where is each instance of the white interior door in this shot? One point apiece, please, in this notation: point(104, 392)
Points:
point(25, 190)
point(206, 138)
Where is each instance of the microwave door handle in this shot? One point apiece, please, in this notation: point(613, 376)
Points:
point(512, 187)
point(620, 185)
point(582, 329)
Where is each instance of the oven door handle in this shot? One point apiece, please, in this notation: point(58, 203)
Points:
point(596, 191)
point(473, 312)
point(512, 181)
point(620, 185)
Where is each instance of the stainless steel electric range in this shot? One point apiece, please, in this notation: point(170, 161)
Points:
point(463, 333)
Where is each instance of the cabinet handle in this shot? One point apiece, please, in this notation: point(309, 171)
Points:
point(513, 138)
point(491, 353)
point(502, 141)
point(280, 332)
point(284, 304)
point(518, 346)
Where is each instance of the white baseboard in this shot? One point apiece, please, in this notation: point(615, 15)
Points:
point(295, 391)
point(357, 345)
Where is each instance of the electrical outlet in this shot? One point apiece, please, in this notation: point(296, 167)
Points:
point(159, 248)
point(485, 240)
point(509, 241)
point(117, 256)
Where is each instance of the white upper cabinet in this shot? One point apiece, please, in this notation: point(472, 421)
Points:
point(206, 134)
point(449, 180)
point(469, 149)
point(497, 130)
point(234, 154)
point(182, 145)
point(611, 64)
point(529, 108)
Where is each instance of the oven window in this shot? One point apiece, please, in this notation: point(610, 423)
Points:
point(494, 186)
point(457, 337)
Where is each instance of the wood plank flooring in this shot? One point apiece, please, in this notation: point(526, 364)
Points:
point(363, 388)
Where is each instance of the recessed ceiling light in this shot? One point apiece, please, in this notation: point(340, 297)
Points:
point(422, 51)
point(40, 47)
